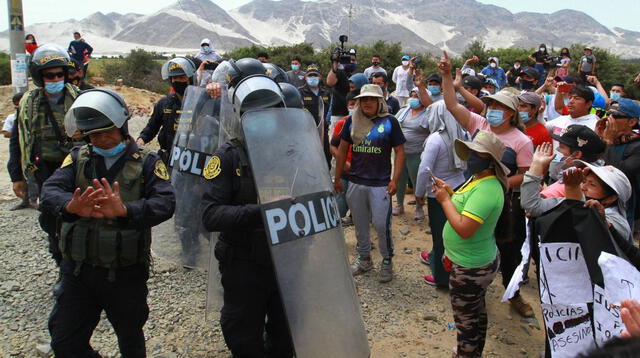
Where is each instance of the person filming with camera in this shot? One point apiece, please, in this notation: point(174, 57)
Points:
point(343, 64)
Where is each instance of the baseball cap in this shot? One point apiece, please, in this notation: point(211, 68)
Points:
point(584, 139)
point(626, 106)
point(205, 42)
point(614, 178)
point(506, 98)
point(489, 143)
point(370, 90)
point(531, 72)
point(313, 68)
point(468, 71)
point(530, 98)
point(472, 82)
point(434, 77)
point(406, 57)
point(587, 47)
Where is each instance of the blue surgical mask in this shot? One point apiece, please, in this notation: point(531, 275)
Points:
point(495, 117)
point(434, 90)
point(295, 67)
point(351, 111)
point(615, 96)
point(414, 102)
point(524, 116)
point(109, 152)
point(54, 87)
point(476, 164)
point(313, 81)
point(206, 48)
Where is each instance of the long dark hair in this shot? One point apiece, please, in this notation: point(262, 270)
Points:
point(545, 48)
point(565, 50)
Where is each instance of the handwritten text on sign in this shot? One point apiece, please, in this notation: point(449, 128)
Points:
point(606, 319)
point(568, 329)
point(621, 279)
point(564, 277)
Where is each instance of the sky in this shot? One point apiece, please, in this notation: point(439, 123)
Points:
point(620, 13)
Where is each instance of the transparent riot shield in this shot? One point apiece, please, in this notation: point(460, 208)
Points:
point(306, 240)
point(183, 239)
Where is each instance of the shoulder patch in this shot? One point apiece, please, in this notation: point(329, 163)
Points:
point(68, 160)
point(161, 170)
point(212, 169)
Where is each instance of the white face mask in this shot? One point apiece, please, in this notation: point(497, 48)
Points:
point(542, 49)
point(405, 63)
point(516, 66)
point(493, 65)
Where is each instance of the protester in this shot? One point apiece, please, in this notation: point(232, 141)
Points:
point(471, 255)
point(528, 107)
point(296, 74)
point(617, 91)
point(80, 50)
point(375, 67)
point(493, 71)
point(587, 64)
point(381, 80)
point(374, 133)
point(338, 80)
point(528, 79)
point(415, 127)
point(541, 59)
point(470, 88)
point(341, 198)
point(30, 44)
point(207, 52)
point(400, 77)
point(514, 72)
point(438, 159)
point(565, 63)
point(490, 86)
point(579, 107)
point(356, 81)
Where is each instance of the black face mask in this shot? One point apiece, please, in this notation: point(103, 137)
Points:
point(180, 87)
point(375, 63)
point(476, 164)
point(526, 85)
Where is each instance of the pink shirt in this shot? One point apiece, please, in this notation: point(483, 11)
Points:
point(555, 190)
point(514, 139)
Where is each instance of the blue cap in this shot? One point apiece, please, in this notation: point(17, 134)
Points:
point(598, 101)
point(627, 106)
point(406, 57)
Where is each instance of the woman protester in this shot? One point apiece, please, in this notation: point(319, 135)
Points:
point(414, 123)
point(541, 58)
point(473, 213)
point(565, 62)
point(502, 119)
point(438, 159)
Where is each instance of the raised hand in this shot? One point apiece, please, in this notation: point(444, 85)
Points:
point(83, 203)
point(630, 314)
point(109, 204)
point(444, 65)
point(457, 82)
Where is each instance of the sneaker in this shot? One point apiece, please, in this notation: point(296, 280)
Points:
point(399, 209)
point(424, 258)
point(520, 305)
point(361, 265)
point(386, 271)
point(22, 205)
point(429, 280)
point(419, 214)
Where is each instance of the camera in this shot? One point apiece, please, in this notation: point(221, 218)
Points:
point(340, 54)
point(210, 66)
point(417, 60)
point(553, 61)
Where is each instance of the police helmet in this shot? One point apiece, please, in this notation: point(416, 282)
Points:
point(275, 72)
point(179, 66)
point(48, 56)
point(96, 111)
point(291, 95)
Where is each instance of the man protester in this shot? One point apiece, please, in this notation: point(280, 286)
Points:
point(207, 52)
point(263, 57)
point(587, 64)
point(296, 74)
point(76, 76)
point(514, 73)
point(528, 79)
point(617, 91)
point(107, 194)
point(400, 77)
point(529, 104)
point(375, 67)
point(80, 50)
point(495, 72)
point(39, 143)
point(373, 134)
point(381, 80)
point(338, 80)
point(180, 72)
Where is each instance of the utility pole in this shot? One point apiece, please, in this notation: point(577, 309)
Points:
point(16, 40)
point(350, 17)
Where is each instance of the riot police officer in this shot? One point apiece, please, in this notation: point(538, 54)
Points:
point(108, 194)
point(230, 206)
point(316, 101)
point(180, 72)
point(77, 75)
point(40, 135)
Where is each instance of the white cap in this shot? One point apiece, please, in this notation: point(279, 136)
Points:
point(615, 179)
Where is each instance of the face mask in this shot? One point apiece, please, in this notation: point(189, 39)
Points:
point(565, 101)
point(615, 96)
point(493, 65)
point(350, 67)
point(495, 117)
point(435, 90)
point(414, 102)
point(476, 164)
point(524, 116)
point(516, 66)
point(109, 152)
point(313, 81)
point(375, 63)
point(405, 63)
point(180, 87)
point(295, 67)
point(541, 49)
point(206, 48)
point(526, 85)
point(351, 111)
point(54, 87)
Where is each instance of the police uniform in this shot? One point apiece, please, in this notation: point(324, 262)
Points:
point(311, 103)
point(164, 119)
point(248, 278)
point(105, 262)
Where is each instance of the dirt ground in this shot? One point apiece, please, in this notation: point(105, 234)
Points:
point(404, 318)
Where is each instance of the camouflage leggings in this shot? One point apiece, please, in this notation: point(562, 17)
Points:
point(468, 287)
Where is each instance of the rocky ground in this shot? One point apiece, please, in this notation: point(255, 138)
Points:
point(404, 318)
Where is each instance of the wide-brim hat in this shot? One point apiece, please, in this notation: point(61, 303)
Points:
point(506, 98)
point(489, 143)
point(370, 90)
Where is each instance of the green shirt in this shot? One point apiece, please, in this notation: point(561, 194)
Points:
point(482, 201)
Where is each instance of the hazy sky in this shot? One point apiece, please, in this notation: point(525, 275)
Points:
point(621, 13)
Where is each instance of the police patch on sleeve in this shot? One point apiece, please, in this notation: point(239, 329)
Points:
point(212, 169)
point(67, 161)
point(161, 170)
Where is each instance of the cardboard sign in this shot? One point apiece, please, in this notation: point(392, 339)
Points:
point(564, 277)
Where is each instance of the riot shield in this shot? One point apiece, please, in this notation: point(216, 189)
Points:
point(306, 240)
point(183, 239)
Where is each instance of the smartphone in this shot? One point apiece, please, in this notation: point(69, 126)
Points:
point(431, 176)
point(210, 66)
point(565, 88)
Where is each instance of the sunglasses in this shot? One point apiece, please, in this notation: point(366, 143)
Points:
point(616, 114)
point(53, 75)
